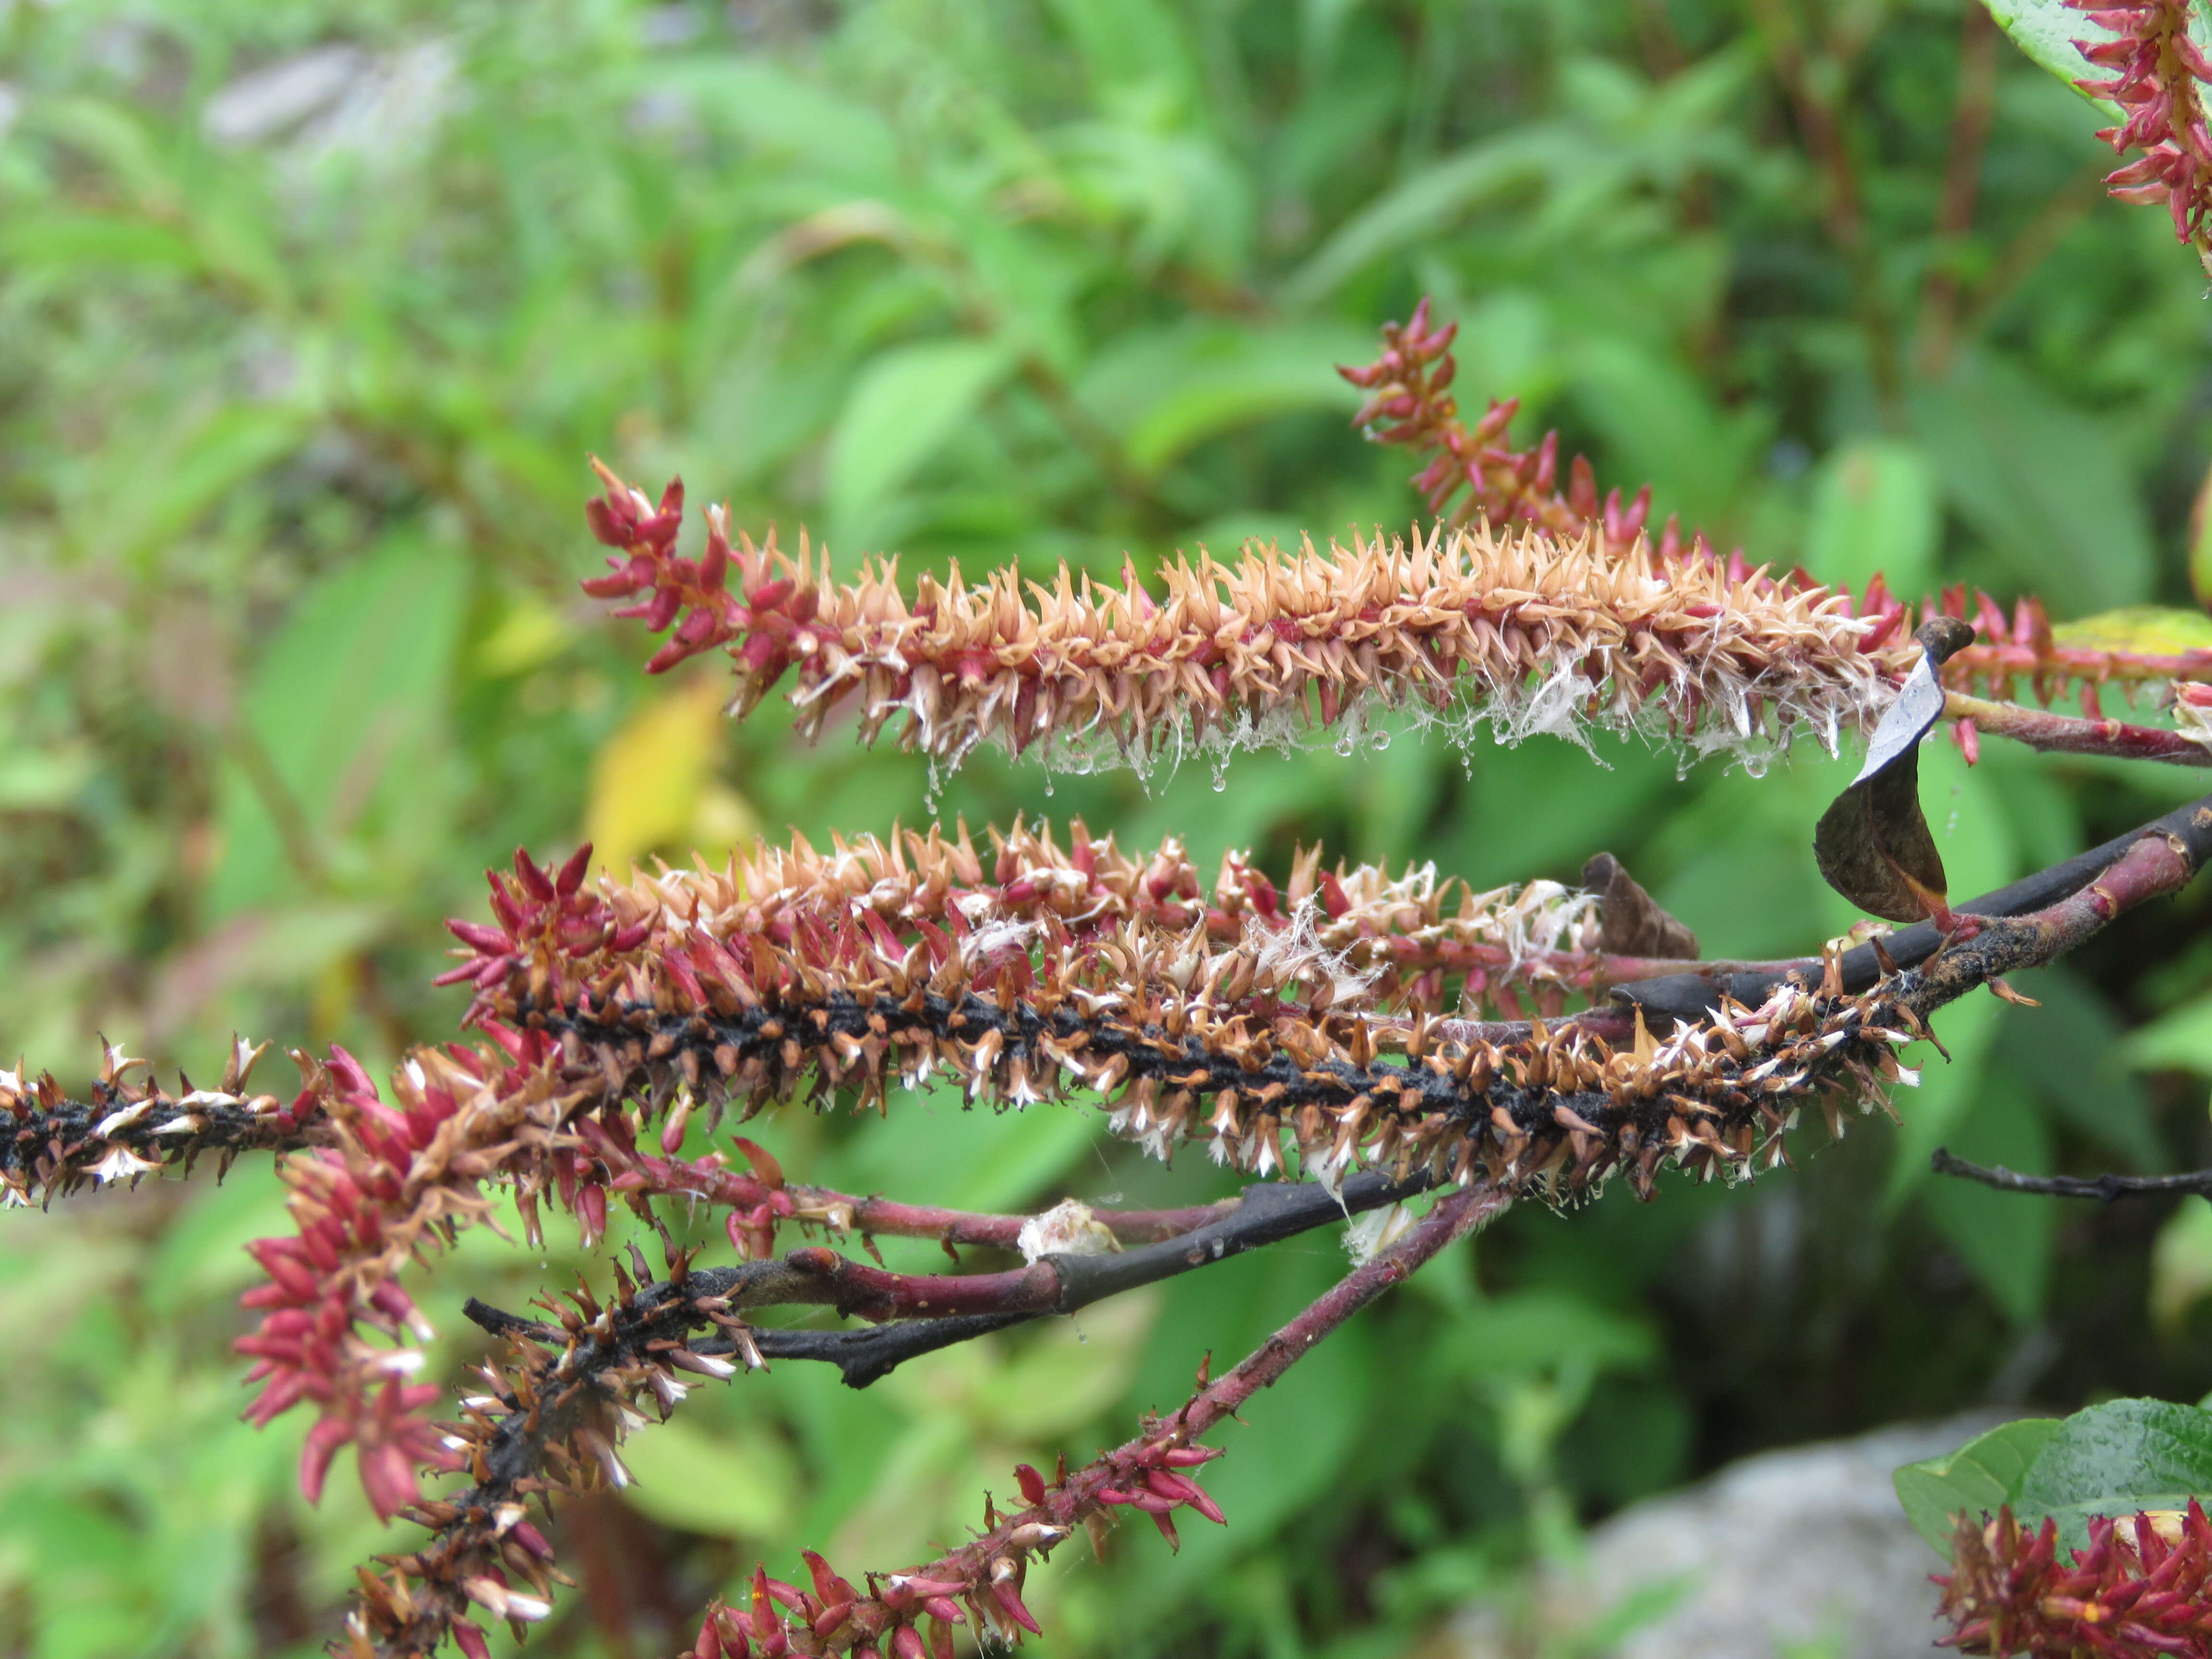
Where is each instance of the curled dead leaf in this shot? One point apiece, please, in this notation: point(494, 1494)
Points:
point(1873, 844)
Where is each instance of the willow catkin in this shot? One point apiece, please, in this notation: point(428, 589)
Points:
point(1463, 628)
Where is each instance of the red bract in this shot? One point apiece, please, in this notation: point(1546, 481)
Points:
point(540, 910)
point(2142, 1589)
point(351, 1206)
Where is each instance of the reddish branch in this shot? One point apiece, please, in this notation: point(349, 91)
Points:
point(752, 1199)
point(921, 1313)
point(980, 1584)
point(2066, 734)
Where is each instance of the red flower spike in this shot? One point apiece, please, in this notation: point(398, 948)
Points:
point(2138, 1590)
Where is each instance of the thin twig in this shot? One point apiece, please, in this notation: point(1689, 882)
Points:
point(2107, 1186)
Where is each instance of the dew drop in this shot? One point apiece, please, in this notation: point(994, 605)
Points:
point(1047, 785)
point(1380, 741)
point(1220, 778)
point(1344, 743)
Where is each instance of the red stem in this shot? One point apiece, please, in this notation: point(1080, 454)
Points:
point(711, 1179)
point(2068, 734)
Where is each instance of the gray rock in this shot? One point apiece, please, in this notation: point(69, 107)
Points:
point(1788, 1555)
point(264, 102)
point(338, 101)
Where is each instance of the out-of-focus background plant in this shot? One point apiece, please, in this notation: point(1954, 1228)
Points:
point(308, 317)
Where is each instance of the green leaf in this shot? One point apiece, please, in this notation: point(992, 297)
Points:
point(978, 1160)
point(2006, 1244)
point(2069, 1051)
point(1166, 391)
point(186, 478)
point(736, 1484)
point(783, 112)
point(2181, 1039)
point(1431, 202)
point(1664, 425)
point(2117, 1458)
point(2044, 482)
point(1536, 1330)
point(56, 238)
point(2046, 31)
point(901, 412)
point(348, 705)
point(1974, 1480)
point(1947, 1091)
point(1129, 45)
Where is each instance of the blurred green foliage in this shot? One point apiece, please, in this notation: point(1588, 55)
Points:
point(308, 317)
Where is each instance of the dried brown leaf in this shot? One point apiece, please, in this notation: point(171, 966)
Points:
point(1873, 844)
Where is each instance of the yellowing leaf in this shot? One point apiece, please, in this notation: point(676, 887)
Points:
point(652, 785)
point(2153, 630)
point(530, 633)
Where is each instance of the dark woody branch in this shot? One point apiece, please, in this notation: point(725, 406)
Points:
point(52, 1145)
point(1694, 994)
point(924, 1312)
point(553, 1422)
